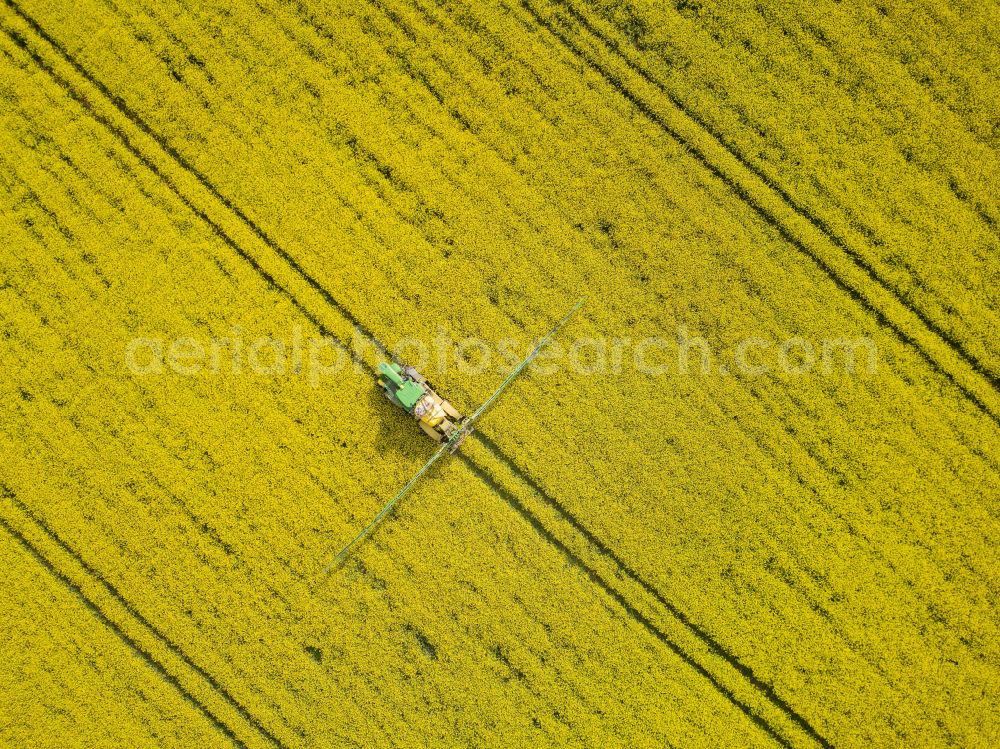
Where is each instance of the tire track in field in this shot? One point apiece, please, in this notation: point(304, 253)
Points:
point(772, 220)
point(260, 236)
point(952, 183)
point(121, 136)
point(132, 645)
point(57, 546)
point(818, 37)
point(594, 576)
point(133, 117)
point(96, 449)
point(271, 282)
point(631, 574)
point(817, 221)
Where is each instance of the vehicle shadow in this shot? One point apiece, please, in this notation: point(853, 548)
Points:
point(397, 432)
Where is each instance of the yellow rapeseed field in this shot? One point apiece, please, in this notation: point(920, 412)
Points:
point(672, 541)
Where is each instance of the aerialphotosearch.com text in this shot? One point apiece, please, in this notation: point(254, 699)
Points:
point(320, 358)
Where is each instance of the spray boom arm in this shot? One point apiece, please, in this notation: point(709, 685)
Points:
point(454, 439)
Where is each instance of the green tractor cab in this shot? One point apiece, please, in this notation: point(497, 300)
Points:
point(402, 390)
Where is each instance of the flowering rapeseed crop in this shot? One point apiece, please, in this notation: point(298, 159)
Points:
point(692, 556)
